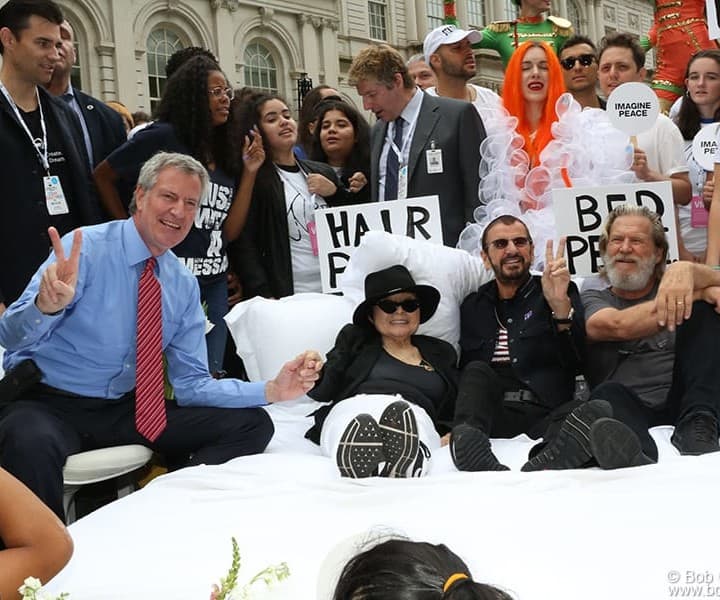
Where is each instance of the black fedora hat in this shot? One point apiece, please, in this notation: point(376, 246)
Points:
point(380, 284)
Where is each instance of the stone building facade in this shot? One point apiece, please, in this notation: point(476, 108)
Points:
point(270, 44)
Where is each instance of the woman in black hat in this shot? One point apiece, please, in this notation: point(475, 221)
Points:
point(379, 353)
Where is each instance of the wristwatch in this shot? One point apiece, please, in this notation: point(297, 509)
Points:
point(567, 320)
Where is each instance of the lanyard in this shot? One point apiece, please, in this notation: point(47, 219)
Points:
point(43, 156)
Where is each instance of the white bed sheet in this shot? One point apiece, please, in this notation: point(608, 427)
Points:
point(586, 534)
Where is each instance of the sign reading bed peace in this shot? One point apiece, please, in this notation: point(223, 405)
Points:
point(340, 229)
point(580, 214)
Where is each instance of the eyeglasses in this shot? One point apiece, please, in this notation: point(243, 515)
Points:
point(219, 91)
point(518, 242)
point(390, 306)
point(585, 60)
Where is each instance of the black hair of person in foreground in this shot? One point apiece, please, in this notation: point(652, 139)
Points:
point(405, 570)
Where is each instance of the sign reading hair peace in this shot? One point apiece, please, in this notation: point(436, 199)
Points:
point(580, 214)
point(340, 229)
point(633, 107)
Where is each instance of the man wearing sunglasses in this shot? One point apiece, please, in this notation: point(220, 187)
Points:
point(522, 341)
point(578, 58)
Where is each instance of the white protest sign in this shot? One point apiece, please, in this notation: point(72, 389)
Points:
point(340, 229)
point(633, 107)
point(704, 147)
point(580, 214)
point(711, 13)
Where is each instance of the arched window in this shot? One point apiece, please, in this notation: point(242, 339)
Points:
point(435, 13)
point(161, 44)
point(260, 69)
point(573, 15)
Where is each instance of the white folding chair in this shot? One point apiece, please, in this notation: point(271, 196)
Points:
point(100, 465)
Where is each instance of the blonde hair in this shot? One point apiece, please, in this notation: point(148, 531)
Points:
point(379, 62)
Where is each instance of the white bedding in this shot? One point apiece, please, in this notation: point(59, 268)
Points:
point(573, 535)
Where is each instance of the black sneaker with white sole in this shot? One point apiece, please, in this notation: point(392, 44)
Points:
point(570, 449)
point(401, 442)
point(360, 450)
point(615, 446)
point(471, 451)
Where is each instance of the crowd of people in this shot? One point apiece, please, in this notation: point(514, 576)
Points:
point(155, 228)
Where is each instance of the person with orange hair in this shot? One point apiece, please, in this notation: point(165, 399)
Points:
point(533, 84)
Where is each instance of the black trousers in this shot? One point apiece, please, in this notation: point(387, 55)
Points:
point(44, 427)
point(695, 383)
point(481, 403)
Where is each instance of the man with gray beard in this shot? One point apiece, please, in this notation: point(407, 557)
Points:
point(654, 338)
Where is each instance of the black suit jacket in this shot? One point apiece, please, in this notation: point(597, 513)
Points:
point(354, 355)
point(104, 125)
point(455, 128)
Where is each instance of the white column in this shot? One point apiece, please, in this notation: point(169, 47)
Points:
point(130, 78)
point(223, 23)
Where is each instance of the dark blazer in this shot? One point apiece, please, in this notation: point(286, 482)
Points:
point(455, 128)
point(23, 217)
point(261, 255)
point(104, 125)
point(354, 355)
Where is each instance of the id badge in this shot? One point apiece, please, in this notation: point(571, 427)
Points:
point(312, 232)
point(402, 182)
point(698, 213)
point(54, 196)
point(434, 161)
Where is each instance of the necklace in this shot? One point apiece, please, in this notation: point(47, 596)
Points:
point(499, 322)
point(423, 363)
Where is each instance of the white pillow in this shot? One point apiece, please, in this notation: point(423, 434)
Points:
point(454, 273)
point(268, 333)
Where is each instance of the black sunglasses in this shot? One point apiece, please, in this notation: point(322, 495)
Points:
point(518, 242)
point(390, 306)
point(585, 60)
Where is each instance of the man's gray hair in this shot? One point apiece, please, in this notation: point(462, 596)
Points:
point(415, 58)
point(169, 160)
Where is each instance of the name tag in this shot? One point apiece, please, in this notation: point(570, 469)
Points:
point(434, 161)
point(402, 182)
point(54, 196)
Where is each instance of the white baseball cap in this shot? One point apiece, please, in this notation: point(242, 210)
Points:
point(447, 34)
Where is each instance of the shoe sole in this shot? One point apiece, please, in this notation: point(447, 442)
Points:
point(470, 450)
point(401, 442)
point(571, 447)
point(615, 446)
point(360, 450)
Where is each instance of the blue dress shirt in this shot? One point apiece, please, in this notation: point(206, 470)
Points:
point(89, 347)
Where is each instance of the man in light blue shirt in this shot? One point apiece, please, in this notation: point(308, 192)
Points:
point(77, 321)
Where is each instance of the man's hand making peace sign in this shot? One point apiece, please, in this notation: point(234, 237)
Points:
point(555, 280)
point(57, 287)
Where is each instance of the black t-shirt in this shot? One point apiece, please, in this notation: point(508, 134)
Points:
point(203, 250)
point(414, 383)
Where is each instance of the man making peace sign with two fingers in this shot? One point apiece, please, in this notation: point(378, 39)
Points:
point(97, 318)
point(522, 340)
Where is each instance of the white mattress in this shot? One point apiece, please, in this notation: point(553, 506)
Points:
point(583, 534)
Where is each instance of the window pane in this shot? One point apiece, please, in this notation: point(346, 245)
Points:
point(476, 12)
point(434, 13)
point(378, 26)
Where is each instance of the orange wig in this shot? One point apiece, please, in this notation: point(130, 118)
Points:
point(514, 100)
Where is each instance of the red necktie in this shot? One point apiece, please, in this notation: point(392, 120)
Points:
point(150, 418)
